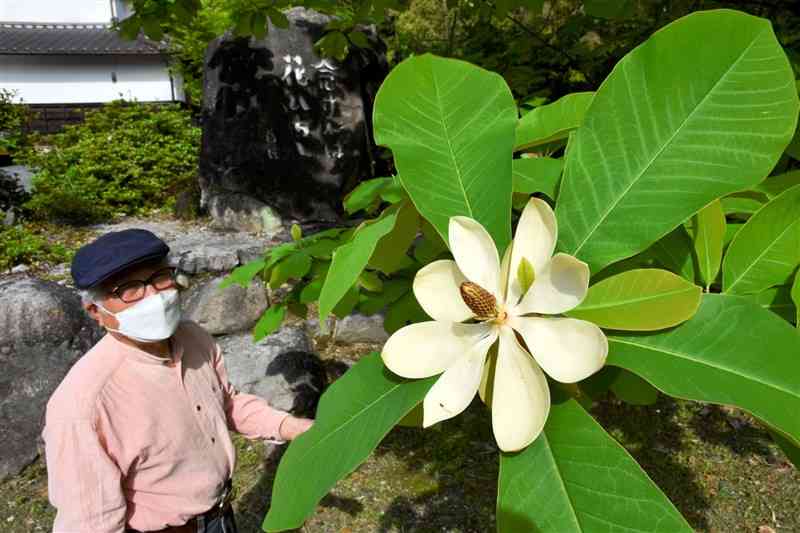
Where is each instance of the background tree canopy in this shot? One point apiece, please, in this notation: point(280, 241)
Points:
point(543, 49)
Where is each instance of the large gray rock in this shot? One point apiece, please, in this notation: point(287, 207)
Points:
point(22, 174)
point(43, 331)
point(229, 310)
point(280, 368)
point(14, 191)
point(244, 213)
point(284, 126)
point(197, 249)
point(361, 328)
point(207, 251)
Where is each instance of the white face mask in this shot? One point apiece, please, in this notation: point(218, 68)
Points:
point(154, 318)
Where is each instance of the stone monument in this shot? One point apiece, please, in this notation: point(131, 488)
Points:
point(286, 133)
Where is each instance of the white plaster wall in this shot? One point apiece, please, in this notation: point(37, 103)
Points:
point(55, 11)
point(86, 79)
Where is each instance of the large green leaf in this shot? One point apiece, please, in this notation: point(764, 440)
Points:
point(390, 253)
point(353, 416)
point(552, 122)
point(632, 389)
point(537, 174)
point(743, 203)
point(639, 300)
point(793, 150)
point(450, 126)
point(775, 185)
point(778, 300)
point(431, 246)
point(369, 304)
point(674, 252)
point(796, 297)
point(365, 195)
point(402, 312)
point(350, 259)
point(691, 115)
point(576, 478)
point(269, 322)
point(295, 266)
point(766, 250)
point(731, 352)
point(243, 275)
point(709, 235)
point(731, 229)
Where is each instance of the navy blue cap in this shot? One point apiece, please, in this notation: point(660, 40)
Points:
point(112, 253)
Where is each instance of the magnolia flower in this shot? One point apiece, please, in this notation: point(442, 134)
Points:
point(474, 303)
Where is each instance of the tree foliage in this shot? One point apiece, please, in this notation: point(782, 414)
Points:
point(543, 49)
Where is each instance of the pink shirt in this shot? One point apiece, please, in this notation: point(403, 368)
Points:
point(133, 439)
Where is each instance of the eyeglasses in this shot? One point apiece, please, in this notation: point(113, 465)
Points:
point(135, 289)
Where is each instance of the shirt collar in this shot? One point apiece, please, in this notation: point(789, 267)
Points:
point(143, 357)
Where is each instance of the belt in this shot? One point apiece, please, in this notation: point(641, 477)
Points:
point(216, 511)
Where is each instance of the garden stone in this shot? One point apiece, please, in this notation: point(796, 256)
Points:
point(280, 368)
point(283, 127)
point(209, 251)
point(361, 328)
point(316, 333)
point(168, 230)
point(229, 310)
point(197, 249)
point(243, 213)
point(22, 174)
point(43, 331)
point(59, 273)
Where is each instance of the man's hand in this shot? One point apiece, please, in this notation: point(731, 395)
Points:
point(292, 426)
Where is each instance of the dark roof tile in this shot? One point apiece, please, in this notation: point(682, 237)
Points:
point(91, 39)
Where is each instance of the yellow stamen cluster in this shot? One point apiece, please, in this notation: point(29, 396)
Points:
point(479, 300)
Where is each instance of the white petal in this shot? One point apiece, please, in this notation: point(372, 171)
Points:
point(475, 252)
point(559, 287)
point(568, 349)
point(436, 287)
point(535, 240)
point(456, 388)
point(429, 348)
point(505, 269)
point(521, 397)
point(487, 377)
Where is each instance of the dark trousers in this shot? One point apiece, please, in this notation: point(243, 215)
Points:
point(224, 523)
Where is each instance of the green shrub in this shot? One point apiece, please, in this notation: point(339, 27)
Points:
point(13, 117)
point(22, 245)
point(124, 159)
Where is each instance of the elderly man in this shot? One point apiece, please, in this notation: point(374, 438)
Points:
point(136, 434)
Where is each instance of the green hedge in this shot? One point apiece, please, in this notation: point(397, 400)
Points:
point(126, 158)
